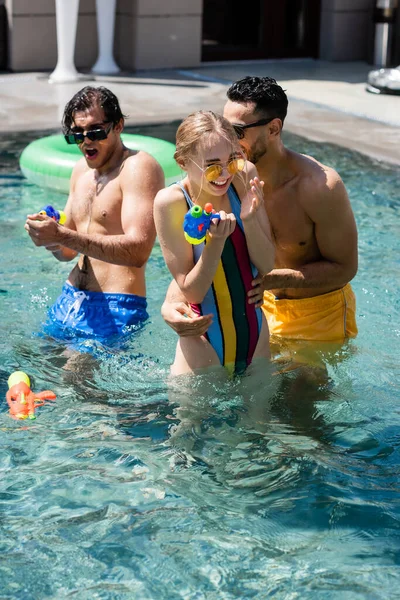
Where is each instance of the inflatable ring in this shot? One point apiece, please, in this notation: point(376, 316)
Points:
point(48, 162)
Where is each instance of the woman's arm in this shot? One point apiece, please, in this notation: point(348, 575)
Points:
point(256, 225)
point(194, 280)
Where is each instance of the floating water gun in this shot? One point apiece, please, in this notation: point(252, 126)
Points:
point(57, 215)
point(20, 398)
point(197, 222)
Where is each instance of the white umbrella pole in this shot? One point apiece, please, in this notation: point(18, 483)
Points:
point(66, 21)
point(105, 14)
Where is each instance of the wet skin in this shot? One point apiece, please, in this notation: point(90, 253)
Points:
point(310, 214)
point(195, 279)
point(109, 212)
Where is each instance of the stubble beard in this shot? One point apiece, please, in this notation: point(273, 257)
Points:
point(256, 153)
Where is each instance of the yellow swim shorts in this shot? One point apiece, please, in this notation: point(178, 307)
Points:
point(329, 317)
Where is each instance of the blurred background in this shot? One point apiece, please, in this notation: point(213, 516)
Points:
point(154, 34)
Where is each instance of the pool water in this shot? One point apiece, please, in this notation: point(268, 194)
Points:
point(127, 489)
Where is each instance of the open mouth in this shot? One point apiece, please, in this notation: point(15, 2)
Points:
point(91, 153)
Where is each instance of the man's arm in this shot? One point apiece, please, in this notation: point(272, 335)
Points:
point(140, 180)
point(61, 253)
point(336, 235)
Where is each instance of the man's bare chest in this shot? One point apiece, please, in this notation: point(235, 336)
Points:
point(97, 206)
point(292, 229)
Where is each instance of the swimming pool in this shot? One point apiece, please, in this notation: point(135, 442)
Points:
point(123, 491)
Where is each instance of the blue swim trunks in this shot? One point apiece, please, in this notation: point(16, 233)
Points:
point(94, 315)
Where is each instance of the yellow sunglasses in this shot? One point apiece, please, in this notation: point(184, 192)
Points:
point(212, 172)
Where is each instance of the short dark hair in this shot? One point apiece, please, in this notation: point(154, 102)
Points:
point(269, 98)
point(88, 97)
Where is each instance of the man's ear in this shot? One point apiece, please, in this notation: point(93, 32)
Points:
point(118, 127)
point(275, 127)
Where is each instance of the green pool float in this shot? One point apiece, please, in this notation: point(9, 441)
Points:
point(48, 161)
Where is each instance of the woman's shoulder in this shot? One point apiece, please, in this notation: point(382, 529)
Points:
point(170, 195)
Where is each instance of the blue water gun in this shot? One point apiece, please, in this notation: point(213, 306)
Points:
point(57, 215)
point(197, 222)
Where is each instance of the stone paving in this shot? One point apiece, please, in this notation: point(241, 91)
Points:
point(327, 101)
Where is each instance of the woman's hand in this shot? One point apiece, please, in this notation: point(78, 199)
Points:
point(221, 229)
point(181, 318)
point(253, 200)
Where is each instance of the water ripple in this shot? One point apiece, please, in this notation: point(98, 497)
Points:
point(133, 486)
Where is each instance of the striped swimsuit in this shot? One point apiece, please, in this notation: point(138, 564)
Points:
point(236, 324)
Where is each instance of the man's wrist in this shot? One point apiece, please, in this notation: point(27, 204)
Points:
point(271, 280)
point(69, 239)
point(164, 307)
point(280, 278)
point(63, 235)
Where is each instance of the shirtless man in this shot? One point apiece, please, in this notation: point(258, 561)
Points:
point(109, 222)
point(307, 296)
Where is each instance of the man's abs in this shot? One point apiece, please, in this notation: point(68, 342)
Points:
point(98, 276)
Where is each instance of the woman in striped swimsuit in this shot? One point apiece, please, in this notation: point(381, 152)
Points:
point(215, 276)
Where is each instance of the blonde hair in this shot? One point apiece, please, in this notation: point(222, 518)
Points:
point(200, 129)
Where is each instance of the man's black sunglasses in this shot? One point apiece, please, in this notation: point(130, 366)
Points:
point(94, 135)
point(240, 129)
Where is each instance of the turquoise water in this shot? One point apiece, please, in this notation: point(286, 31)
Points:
point(124, 489)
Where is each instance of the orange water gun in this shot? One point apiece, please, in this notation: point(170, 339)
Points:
point(20, 398)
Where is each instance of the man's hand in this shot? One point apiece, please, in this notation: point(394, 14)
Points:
point(180, 317)
point(275, 279)
point(43, 230)
point(256, 295)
